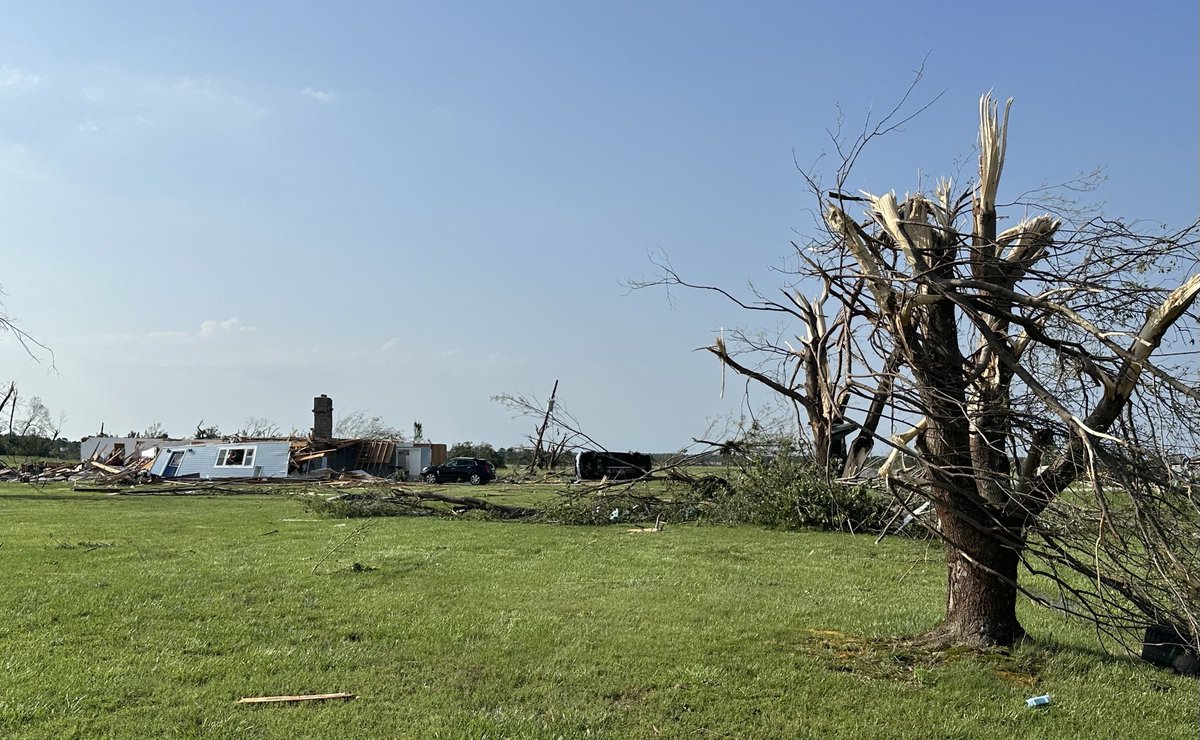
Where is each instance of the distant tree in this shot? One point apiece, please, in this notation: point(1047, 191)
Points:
point(35, 420)
point(31, 346)
point(207, 432)
point(65, 448)
point(360, 425)
point(517, 456)
point(33, 431)
point(557, 431)
point(258, 428)
point(418, 432)
point(483, 451)
point(155, 431)
point(36, 415)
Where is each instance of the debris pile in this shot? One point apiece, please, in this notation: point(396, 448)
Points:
point(74, 472)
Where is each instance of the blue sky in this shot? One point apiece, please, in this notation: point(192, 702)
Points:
point(213, 211)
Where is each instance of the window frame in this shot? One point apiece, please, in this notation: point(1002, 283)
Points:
point(249, 452)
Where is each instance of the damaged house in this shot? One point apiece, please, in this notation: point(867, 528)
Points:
point(206, 458)
point(318, 456)
point(120, 451)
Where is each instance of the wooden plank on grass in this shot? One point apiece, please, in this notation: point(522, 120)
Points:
point(300, 697)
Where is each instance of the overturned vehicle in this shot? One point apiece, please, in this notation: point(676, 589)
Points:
point(592, 465)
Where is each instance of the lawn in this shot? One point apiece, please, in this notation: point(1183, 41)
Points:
point(150, 616)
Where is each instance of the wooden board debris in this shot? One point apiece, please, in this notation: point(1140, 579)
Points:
point(296, 698)
point(311, 455)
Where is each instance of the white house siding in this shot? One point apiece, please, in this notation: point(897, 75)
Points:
point(270, 460)
point(412, 460)
point(101, 448)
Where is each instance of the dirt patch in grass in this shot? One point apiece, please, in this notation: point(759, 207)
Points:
point(904, 661)
point(628, 697)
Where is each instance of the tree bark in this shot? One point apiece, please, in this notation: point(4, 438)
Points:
point(981, 592)
point(539, 455)
point(856, 457)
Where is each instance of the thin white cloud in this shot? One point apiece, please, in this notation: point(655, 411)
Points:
point(13, 79)
point(141, 121)
point(391, 344)
point(213, 91)
point(93, 94)
point(177, 338)
point(123, 103)
point(232, 325)
point(87, 127)
point(321, 96)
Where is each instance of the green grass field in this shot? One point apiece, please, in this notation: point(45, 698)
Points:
point(140, 617)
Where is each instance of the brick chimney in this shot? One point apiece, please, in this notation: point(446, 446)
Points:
point(322, 417)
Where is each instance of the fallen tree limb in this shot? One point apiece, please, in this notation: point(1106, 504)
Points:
point(190, 490)
point(469, 502)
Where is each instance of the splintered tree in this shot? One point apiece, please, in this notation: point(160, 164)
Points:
point(1040, 373)
point(37, 419)
point(557, 431)
point(815, 374)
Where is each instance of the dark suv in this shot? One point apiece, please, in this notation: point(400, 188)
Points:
point(460, 470)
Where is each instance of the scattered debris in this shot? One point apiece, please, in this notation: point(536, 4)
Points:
point(907, 660)
point(707, 487)
point(1167, 647)
point(1038, 701)
point(289, 699)
point(100, 473)
point(658, 527)
point(911, 514)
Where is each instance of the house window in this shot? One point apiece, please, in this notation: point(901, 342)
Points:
point(236, 457)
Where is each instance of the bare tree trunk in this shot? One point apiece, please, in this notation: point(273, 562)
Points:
point(860, 449)
point(981, 591)
point(12, 390)
point(539, 455)
point(982, 553)
point(822, 440)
